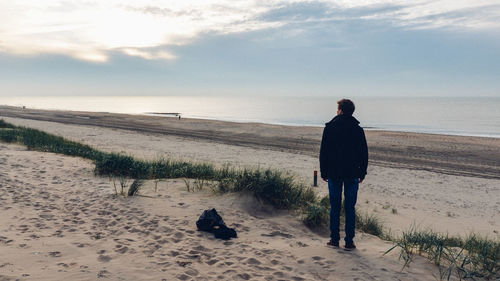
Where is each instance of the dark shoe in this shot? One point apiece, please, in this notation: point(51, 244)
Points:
point(349, 246)
point(333, 243)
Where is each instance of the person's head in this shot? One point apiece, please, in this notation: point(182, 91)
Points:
point(345, 106)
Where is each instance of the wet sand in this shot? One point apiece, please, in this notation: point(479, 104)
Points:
point(454, 155)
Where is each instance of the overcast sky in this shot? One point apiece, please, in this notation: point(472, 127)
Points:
point(251, 48)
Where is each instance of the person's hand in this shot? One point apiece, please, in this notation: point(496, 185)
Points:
point(360, 180)
point(326, 180)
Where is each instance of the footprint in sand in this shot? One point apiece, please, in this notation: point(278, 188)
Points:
point(300, 244)
point(279, 274)
point(183, 263)
point(212, 262)
point(103, 274)
point(192, 272)
point(174, 253)
point(83, 268)
point(103, 258)
point(287, 268)
point(240, 227)
point(55, 254)
point(278, 233)
point(253, 261)
point(244, 276)
point(23, 228)
point(183, 277)
point(5, 240)
point(201, 248)
point(65, 265)
point(81, 245)
point(121, 249)
point(179, 235)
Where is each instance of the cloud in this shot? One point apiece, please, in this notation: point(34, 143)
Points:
point(481, 14)
point(417, 14)
point(92, 30)
point(149, 55)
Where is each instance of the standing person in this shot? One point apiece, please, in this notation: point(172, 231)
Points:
point(343, 161)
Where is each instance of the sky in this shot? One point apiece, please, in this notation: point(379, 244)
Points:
point(250, 48)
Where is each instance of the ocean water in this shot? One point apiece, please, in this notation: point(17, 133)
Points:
point(469, 116)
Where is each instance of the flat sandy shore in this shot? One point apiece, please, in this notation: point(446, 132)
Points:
point(60, 222)
point(456, 155)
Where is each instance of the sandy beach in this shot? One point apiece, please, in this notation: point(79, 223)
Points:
point(60, 222)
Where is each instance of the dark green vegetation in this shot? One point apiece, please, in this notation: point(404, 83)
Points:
point(4, 124)
point(472, 257)
point(318, 213)
point(275, 187)
point(6, 134)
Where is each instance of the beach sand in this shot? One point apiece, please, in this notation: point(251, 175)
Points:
point(60, 222)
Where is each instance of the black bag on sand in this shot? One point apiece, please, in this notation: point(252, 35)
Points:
point(225, 233)
point(211, 221)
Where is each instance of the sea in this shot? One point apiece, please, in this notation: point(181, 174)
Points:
point(467, 116)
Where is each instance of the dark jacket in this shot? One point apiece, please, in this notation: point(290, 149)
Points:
point(343, 153)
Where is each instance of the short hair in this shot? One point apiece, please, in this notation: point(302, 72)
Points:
point(347, 106)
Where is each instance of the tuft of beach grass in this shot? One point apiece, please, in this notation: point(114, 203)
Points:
point(473, 257)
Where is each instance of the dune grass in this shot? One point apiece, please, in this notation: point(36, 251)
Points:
point(318, 214)
point(275, 187)
point(473, 257)
point(4, 124)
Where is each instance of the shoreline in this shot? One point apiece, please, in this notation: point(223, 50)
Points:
point(367, 128)
point(174, 115)
point(244, 121)
point(447, 154)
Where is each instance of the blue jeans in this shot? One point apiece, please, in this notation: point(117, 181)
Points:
point(351, 195)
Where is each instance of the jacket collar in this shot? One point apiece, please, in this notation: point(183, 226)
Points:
point(343, 119)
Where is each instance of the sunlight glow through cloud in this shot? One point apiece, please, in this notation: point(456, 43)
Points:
point(90, 31)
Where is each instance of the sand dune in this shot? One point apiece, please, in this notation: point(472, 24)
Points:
point(60, 222)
